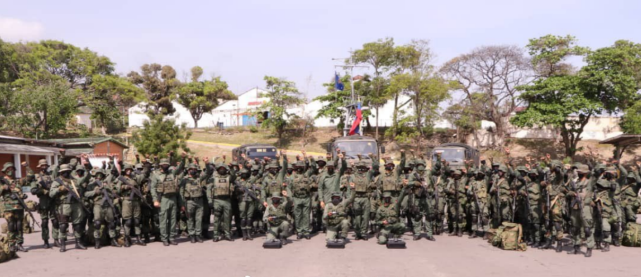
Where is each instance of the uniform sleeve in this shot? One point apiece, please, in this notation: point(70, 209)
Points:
point(321, 184)
point(54, 189)
point(154, 191)
point(210, 194)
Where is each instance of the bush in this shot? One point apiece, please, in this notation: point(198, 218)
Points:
point(253, 129)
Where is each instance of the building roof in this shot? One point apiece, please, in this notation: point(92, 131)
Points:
point(25, 149)
point(625, 139)
point(87, 141)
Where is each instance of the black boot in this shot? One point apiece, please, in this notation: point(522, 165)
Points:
point(548, 243)
point(97, 244)
point(416, 237)
point(459, 233)
point(245, 233)
point(588, 253)
point(63, 246)
point(127, 241)
point(173, 242)
point(598, 245)
point(229, 237)
point(192, 239)
point(165, 243)
point(199, 239)
point(473, 235)
point(147, 240)
point(283, 240)
point(536, 244)
point(80, 246)
point(575, 251)
point(20, 248)
point(559, 246)
point(56, 243)
point(431, 238)
point(216, 239)
point(606, 247)
point(114, 243)
point(46, 244)
point(616, 242)
point(139, 242)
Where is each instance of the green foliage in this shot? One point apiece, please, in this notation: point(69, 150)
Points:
point(282, 94)
point(108, 96)
point(159, 84)
point(201, 97)
point(334, 100)
point(160, 136)
point(631, 121)
point(253, 129)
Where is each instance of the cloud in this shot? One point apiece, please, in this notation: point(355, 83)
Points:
point(13, 29)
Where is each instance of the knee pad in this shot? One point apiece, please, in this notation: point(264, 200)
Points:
point(45, 222)
point(12, 226)
point(112, 225)
point(588, 232)
point(136, 221)
point(606, 234)
point(557, 226)
point(129, 222)
point(63, 219)
point(54, 222)
point(64, 226)
point(77, 227)
point(243, 222)
point(96, 224)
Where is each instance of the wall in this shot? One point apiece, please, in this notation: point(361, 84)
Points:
point(84, 119)
point(108, 147)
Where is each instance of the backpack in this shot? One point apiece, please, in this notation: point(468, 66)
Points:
point(27, 225)
point(508, 237)
point(5, 252)
point(632, 235)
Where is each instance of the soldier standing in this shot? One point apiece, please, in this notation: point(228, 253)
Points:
point(456, 190)
point(128, 187)
point(361, 205)
point(164, 190)
point(581, 211)
point(10, 194)
point(477, 192)
point(220, 188)
point(300, 190)
point(69, 206)
point(103, 192)
point(191, 192)
point(40, 186)
point(555, 190)
point(247, 202)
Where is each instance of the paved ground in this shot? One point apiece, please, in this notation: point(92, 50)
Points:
point(448, 256)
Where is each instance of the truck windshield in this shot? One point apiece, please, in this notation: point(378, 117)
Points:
point(353, 148)
point(261, 152)
point(451, 155)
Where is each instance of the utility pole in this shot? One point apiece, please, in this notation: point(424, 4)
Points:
point(350, 109)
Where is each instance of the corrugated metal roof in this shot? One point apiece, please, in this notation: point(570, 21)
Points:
point(24, 149)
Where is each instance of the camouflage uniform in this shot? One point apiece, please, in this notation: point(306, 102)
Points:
point(131, 203)
point(276, 218)
point(479, 211)
point(299, 190)
point(40, 186)
point(247, 202)
point(102, 191)
point(193, 199)
point(335, 216)
point(580, 195)
point(220, 189)
point(164, 189)
point(457, 198)
point(389, 218)
point(69, 206)
point(554, 190)
point(13, 211)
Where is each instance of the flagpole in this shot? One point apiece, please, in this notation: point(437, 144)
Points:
point(350, 109)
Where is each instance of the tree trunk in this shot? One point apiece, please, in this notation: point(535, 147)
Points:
point(395, 118)
point(376, 136)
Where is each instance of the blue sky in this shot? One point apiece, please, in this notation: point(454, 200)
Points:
point(242, 41)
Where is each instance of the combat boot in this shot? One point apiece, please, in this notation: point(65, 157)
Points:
point(20, 248)
point(575, 251)
point(192, 239)
point(548, 244)
point(606, 247)
point(431, 238)
point(127, 241)
point(559, 246)
point(56, 243)
point(598, 245)
point(147, 240)
point(416, 237)
point(473, 235)
point(63, 246)
point(616, 242)
point(114, 243)
point(216, 239)
point(283, 240)
point(588, 253)
point(229, 237)
point(199, 239)
point(459, 233)
point(173, 242)
point(536, 244)
point(80, 246)
point(365, 238)
point(97, 245)
point(139, 242)
point(165, 243)
point(46, 244)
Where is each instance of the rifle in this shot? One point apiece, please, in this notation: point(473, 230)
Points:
point(436, 199)
point(246, 192)
point(74, 193)
point(457, 205)
point(527, 205)
point(478, 209)
point(548, 219)
point(110, 202)
point(498, 203)
point(24, 206)
point(134, 191)
point(599, 211)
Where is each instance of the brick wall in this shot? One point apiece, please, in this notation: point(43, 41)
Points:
point(108, 147)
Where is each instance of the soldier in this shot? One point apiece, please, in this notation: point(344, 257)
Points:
point(128, 187)
point(164, 190)
point(456, 190)
point(606, 212)
point(191, 193)
point(247, 202)
point(361, 206)
point(40, 186)
point(69, 206)
point(581, 211)
point(501, 192)
point(390, 181)
point(256, 180)
point(555, 189)
point(276, 218)
point(103, 192)
point(388, 216)
point(274, 179)
point(629, 199)
point(220, 188)
point(335, 216)
point(479, 208)
point(417, 205)
point(329, 183)
point(436, 189)
point(300, 190)
point(531, 192)
point(11, 194)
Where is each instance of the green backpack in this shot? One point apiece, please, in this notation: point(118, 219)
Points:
point(508, 237)
point(5, 252)
point(632, 235)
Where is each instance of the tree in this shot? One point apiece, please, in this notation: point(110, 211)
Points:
point(464, 118)
point(159, 84)
point(379, 55)
point(108, 92)
point(281, 94)
point(335, 100)
point(631, 120)
point(160, 136)
point(496, 71)
point(201, 97)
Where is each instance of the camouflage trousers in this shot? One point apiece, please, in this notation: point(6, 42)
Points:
point(391, 230)
point(583, 224)
point(48, 214)
point(14, 220)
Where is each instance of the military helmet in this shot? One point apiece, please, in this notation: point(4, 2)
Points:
point(497, 164)
point(631, 176)
point(299, 164)
point(533, 171)
point(193, 166)
point(128, 166)
point(223, 165)
point(234, 163)
point(337, 195)
point(503, 168)
point(583, 168)
point(361, 164)
point(457, 172)
point(96, 171)
point(388, 161)
point(244, 171)
point(42, 162)
point(7, 165)
point(410, 164)
point(602, 183)
point(521, 168)
point(80, 168)
point(576, 165)
point(255, 167)
point(164, 161)
point(420, 162)
point(276, 198)
point(387, 194)
point(479, 171)
point(64, 168)
point(611, 169)
point(139, 166)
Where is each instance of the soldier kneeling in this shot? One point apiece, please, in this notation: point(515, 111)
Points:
point(335, 218)
point(276, 218)
point(388, 217)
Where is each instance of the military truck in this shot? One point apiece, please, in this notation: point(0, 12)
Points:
point(351, 146)
point(255, 150)
point(456, 154)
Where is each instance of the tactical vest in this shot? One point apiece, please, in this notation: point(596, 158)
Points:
point(607, 205)
point(338, 214)
point(481, 189)
point(534, 193)
point(8, 203)
point(168, 186)
point(361, 182)
point(222, 185)
point(192, 188)
point(279, 213)
point(584, 193)
point(129, 182)
point(388, 213)
point(390, 183)
point(504, 189)
point(301, 186)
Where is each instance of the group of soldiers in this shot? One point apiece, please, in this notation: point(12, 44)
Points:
point(161, 197)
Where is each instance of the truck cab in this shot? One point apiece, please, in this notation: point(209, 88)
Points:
point(256, 150)
point(351, 146)
point(456, 154)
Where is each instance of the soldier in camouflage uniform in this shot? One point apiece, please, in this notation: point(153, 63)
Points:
point(502, 190)
point(101, 190)
point(330, 182)
point(479, 204)
point(580, 195)
point(274, 179)
point(10, 193)
point(276, 218)
point(256, 180)
point(247, 202)
point(165, 192)
point(418, 205)
point(40, 186)
point(193, 200)
point(126, 186)
point(300, 190)
point(606, 212)
point(531, 192)
point(456, 190)
point(436, 190)
point(69, 206)
point(361, 206)
point(220, 189)
point(555, 189)
point(335, 216)
point(629, 199)
point(388, 216)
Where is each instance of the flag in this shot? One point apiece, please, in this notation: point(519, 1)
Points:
point(357, 122)
point(337, 83)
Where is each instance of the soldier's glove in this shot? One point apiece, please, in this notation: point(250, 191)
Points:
point(14, 196)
